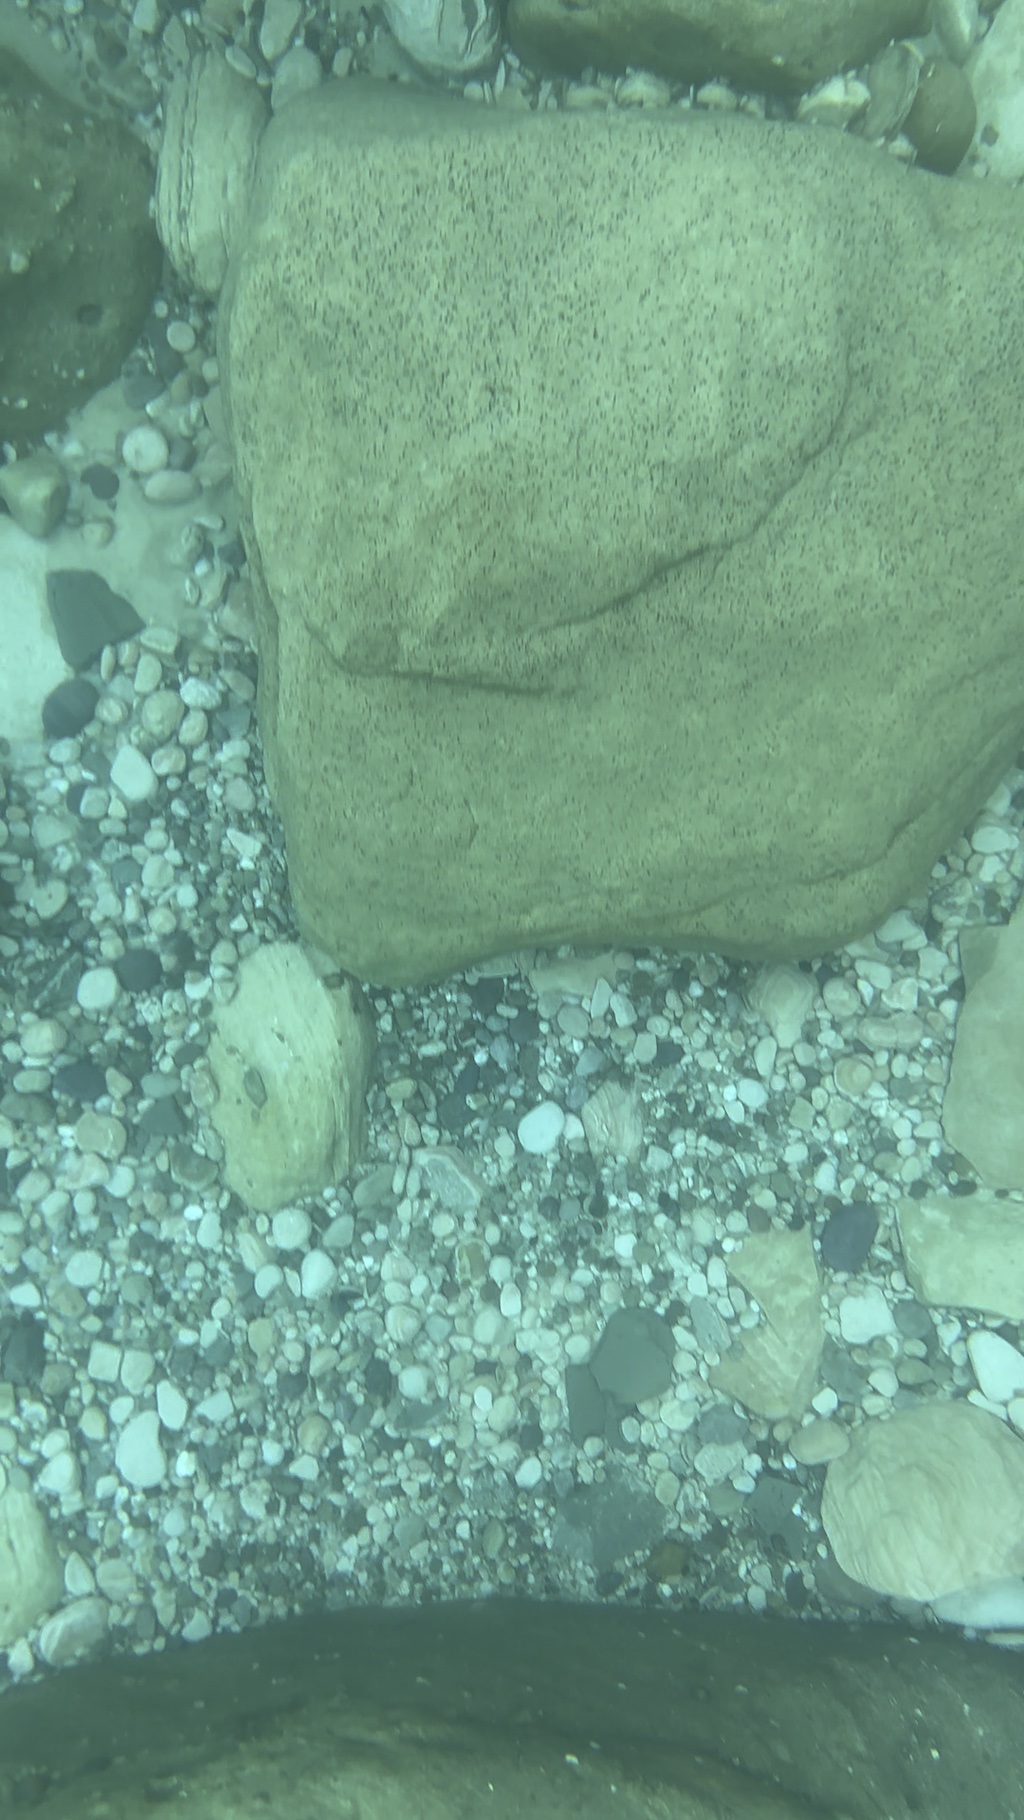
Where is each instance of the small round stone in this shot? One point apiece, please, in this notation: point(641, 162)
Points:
point(170, 487)
point(145, 449)
point(98, 989)
point(529, 1473)
point(42, 1038)
point(317, 1274)
point(290, 1229)
point(138, 970)
point(162, 713)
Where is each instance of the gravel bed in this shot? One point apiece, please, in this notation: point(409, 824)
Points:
point(222, 1430)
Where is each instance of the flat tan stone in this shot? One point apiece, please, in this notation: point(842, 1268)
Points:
point(289, 1060)
point(775, 1368)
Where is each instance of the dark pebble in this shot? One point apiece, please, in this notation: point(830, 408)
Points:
point(164, 1119)
point(141, 387)
point(848, 1235)
point(138, 970)
point(87, 615)
point(101, 481)
point(69, 708)
point(22, 1350)
point(83, 1080)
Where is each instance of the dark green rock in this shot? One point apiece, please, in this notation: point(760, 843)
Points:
point(79, 257)
point(87, 615)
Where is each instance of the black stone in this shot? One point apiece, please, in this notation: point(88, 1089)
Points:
point(87, 615)
point(101, 481)
point(164, 1119)
point(138, 970)
point(140, 387)
point(83, 1080)
point(22, 1350)
point(69, 707)
point(848, 1235)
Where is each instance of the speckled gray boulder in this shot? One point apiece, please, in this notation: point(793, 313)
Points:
point(634, 507)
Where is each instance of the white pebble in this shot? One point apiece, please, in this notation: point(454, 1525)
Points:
point(865, 1316)
point(97, 989)
point(998, 1366)
point(41, 1038)
point(171, 1405)
point(139, 1456)
point(132, 774)
point(290, 1229)
point(753, 1094)
point(529, 1472)
point(83, 1269)
point(181, 336)
point(145, 449)
point(510, 1301)
point(414, 1383)
point(402, 1323)
point(266, 1280)
point(539, 1130)
point(104, 1364)
point(318, 1274)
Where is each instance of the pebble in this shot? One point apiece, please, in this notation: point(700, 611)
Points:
point(172, 1406)
point(84, 1269)
point(145, 449)
point(102, 1133)
point(42, 1038)
point(318, 1274)
point(170, 487)
point(539, 1130)
point(998, 1366)
point(162, 713)
point(865, 1316)
point(132, 775)
point(290, 1229)
point(414, 1383)
point(98, 989)
point(139, 1456)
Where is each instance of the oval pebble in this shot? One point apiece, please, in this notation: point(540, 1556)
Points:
point(139, 1456)
point(317, 1274)
point(539, 1130)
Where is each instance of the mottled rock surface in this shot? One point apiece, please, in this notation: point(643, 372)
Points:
point(79, 258)
point(633, 505)
point(790, 44)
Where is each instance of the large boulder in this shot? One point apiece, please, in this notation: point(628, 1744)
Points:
point(634, 513)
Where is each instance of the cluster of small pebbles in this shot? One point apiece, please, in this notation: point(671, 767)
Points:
point(914, 96)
